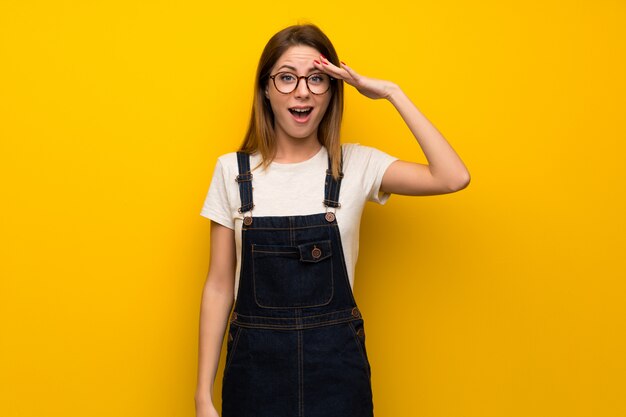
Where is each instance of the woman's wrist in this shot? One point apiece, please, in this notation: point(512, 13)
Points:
point(393, 92)
point(203, 396)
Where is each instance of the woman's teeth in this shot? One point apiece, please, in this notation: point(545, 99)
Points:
point(301, 112)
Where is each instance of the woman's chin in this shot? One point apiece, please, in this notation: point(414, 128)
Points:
point(300, 132)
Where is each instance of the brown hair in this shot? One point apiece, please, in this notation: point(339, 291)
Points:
point(260, 135)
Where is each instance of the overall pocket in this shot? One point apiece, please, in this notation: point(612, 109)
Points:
point(358, 330)
point(234, 332)
point(292, 276)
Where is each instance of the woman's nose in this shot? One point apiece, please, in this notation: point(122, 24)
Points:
point(302, 90)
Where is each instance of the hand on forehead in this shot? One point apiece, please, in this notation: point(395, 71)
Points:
point(298, 59)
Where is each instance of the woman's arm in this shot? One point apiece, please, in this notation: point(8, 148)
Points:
point(217, 301)
point(445, 172)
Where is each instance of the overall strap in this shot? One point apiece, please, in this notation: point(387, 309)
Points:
point(331, 189)
point(244, 179)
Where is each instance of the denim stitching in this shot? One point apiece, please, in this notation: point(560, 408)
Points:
point(244, 180)
point(300, 375)
point(345, 268)
point(275, 251)
point(291, 318)
point(295, 326)
point(256, 300)
point(249, 190)
point(330, 187)
point(232, 350)
point(290, 228)
point(358, 342)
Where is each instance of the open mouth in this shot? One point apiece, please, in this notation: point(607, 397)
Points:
point(301, 114)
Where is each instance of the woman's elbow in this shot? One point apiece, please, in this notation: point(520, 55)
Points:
point(460, 182)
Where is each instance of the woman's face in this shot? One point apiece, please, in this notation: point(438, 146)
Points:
point(288, 122)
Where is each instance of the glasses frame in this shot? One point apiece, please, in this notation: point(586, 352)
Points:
point(306, 81)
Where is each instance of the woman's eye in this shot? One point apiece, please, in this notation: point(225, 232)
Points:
point(287, 77)
point(316, 79)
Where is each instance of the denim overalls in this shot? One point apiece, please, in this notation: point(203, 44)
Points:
point(296, 341)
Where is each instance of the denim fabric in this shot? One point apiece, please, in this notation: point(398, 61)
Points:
point(296, 338)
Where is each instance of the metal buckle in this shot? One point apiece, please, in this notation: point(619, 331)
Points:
point(247, 176)
point(326, 201)
point(239, 209)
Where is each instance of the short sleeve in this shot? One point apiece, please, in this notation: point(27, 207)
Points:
point(216, 204)
point(377, 163)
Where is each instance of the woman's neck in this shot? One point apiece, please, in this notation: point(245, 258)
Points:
point(289, 151)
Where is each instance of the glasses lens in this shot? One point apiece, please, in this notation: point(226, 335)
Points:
point(318, 83)
point(285, 82)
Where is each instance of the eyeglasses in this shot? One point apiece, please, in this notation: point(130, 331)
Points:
point(286, 82)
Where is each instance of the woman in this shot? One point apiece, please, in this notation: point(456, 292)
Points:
point(285, 213)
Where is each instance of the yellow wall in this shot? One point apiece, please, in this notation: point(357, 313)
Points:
point(506, 299)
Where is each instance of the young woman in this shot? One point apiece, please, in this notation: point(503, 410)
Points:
point(285, 213)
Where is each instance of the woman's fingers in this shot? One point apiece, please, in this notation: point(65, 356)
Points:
point(325, 67)
point(335, 71)
point(331, 68)
point(349, 70)
point(369, 87)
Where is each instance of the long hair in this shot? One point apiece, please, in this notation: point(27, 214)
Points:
point(261, 135)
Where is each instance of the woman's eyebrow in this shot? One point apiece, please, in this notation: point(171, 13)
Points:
point(294, 69)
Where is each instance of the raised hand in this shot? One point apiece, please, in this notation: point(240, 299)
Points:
point(445, 172)
point(369, 87)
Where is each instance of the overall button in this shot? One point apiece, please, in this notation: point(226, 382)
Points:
point(247, 221)
point(233, 317)
point(315, 251)
point(355, 312)
point(330, 216)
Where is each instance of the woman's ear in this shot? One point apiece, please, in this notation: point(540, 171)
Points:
point(267, 91)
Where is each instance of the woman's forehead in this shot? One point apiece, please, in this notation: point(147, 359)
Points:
point(299, 56)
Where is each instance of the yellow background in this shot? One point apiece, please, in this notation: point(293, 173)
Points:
point(505, 299)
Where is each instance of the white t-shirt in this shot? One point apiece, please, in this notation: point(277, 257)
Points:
point(298, 189)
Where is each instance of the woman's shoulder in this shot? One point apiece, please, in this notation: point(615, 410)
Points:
point(357, 147)
point(355, 151)
point(226, 166)
point(228, 161)
point(229, 164)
